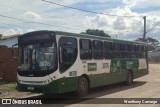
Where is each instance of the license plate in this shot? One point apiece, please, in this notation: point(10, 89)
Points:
point(30, 88)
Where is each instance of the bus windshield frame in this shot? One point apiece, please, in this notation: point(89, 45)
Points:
point(37, 57)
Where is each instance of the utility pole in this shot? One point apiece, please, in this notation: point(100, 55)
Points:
point(144, 34)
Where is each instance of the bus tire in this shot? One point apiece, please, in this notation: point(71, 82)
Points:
point(129, 80)
point(83, 87)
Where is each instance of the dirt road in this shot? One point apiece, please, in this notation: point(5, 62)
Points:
point(144, 87)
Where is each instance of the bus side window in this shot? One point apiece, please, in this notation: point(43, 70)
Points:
point(85, 49)
point(107, 50)
point(97, 49)
point(117, 52)
point(68, 52)
point(127, 54)
point(139, 51)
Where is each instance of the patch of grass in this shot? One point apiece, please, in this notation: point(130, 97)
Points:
point(11, 87)
point(7, 87)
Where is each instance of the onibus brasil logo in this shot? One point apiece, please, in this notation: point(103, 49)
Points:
point(18, 101)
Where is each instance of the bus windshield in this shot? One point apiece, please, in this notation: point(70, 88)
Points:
point(37, 57)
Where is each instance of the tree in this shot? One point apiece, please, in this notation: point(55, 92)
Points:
point(153, 43)
point(140, 40)
point(96, 32)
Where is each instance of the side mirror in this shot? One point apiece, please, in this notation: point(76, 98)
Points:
point(15, 51)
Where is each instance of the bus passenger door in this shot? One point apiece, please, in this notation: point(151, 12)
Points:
point(116, 70)
point(106, 69)
point(67, 57)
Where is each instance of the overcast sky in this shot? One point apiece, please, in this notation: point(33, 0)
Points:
point(65, 19)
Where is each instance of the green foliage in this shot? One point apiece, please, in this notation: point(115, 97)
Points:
point(153, 43)
point(96, 32)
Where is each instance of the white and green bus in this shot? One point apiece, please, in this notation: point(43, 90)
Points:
point(60, 62)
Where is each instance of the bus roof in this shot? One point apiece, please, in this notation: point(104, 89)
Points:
point(98, 37)
point(87, 36)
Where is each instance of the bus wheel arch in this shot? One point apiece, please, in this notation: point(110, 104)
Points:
point(83, 86)
point(129, 77)
point(130, 70)
point(86, 76)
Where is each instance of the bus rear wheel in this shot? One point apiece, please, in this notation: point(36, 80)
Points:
point(82, 89)
point(129, 80)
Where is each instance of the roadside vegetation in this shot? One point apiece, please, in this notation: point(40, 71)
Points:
point(8, 90)
point(4, 86)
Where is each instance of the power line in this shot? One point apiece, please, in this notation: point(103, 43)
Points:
point(45, 23)
point(29, 21)
point(12, 18)
point(153, 27)
point(26, 21)
point(47, 1)
point(137, 22)
point(12, 7)
point(86, 10)
point(11, 24)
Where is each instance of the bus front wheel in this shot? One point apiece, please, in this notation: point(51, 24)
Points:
point(82, 89)
point(129, 80)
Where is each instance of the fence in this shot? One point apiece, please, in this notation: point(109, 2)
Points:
point(8, 65)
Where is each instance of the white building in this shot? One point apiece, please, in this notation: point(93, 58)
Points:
point(9, 40)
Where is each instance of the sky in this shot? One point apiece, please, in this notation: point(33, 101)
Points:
point(54, 17)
